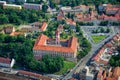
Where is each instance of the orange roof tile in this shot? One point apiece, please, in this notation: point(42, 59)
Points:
point(44, 26)
point(70, 21)
point(109, 74)
point(16, 33)
point(116, 72)
point(111, 78)
point(40, 45)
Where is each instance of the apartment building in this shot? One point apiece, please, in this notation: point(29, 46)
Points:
point(35, 27)
point(9, 29)
point(45, 45)
point(6, 62)
point(12, 6)
point(2, 2)
point(32, 6)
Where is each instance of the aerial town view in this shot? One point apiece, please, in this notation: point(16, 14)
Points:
point(59, 39)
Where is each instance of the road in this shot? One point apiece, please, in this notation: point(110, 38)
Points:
point(82, 63)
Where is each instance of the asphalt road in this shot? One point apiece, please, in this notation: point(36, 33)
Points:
point(82, 63)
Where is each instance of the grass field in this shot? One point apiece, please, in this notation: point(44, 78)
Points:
point(98, 38)
point(67, 65)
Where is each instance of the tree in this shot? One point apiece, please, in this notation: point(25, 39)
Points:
point(2, 38)
point(107, 30)
point(51, 64)
point(3, 19)
point(44, 7)
point(103, 23)
point(102, 30)
point(52, 4)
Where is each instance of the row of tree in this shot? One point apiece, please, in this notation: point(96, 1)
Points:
point(83, 43)
point(101, 30)
point(22, 16)
point(81, 23)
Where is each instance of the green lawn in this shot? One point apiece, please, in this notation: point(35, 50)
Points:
point(98, 38)
point(67, 65)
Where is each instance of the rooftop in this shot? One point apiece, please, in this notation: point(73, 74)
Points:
point(68, 46)
point(5, 60)
point(31, 74)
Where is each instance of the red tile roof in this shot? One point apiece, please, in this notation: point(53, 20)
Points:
point(111, 75)
point(70, 21)
point(5, 60)
point(31, 74)
point(116, 72)
point(44, 26)
point(59, 17)
point(16, 33)
point(41, 45)
point(97, 57)
point(105, 17)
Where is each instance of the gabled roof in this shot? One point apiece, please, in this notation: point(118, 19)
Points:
point(16, 33)
point(70, 21)
point(5, 60)
point(43, 27)
point(31, 74)
point(40, 44)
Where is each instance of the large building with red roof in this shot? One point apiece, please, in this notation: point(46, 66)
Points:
point(45, 45)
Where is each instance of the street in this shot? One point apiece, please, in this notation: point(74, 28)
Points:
point(95, 47)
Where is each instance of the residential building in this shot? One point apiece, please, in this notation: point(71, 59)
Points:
point(72, 24)
point(116, 17)
point(112, 9)
point(11, 76)
point(109, 75)
point(54, 47)
point(67, 8)
point(104, 54)
point(33, 76)
point(9, 29)
point(32, 6)
point(2, 2)
point(12, 6)
point(44, 26)
point(6, 62)
point(17, 0)
point(82, 8)
point(35, 27)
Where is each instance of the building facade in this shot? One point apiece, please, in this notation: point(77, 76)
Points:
point(45, 45)
point(32, 6)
